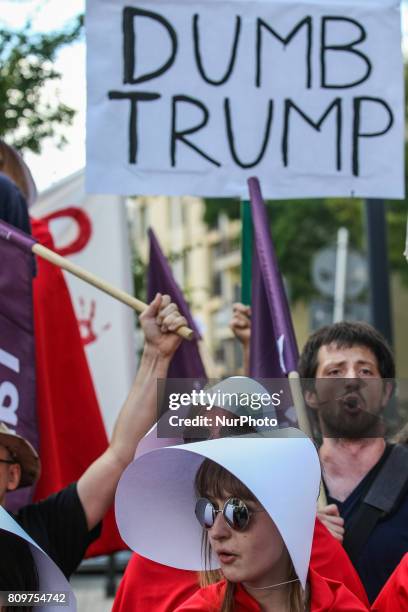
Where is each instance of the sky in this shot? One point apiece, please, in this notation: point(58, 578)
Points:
point(54, 164)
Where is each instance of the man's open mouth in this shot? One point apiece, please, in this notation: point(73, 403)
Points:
point(352, 403)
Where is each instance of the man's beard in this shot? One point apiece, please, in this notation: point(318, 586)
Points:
point(336, 423)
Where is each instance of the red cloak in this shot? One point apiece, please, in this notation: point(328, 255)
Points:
point(147, 585)
point(325, 596)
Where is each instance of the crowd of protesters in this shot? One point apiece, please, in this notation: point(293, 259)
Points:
point(232, 523)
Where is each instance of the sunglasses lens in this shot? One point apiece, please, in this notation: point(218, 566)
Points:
point(205, 512)
point(236, 514)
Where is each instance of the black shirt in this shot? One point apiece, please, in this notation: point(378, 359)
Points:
point(387, 543)
point(58, 525)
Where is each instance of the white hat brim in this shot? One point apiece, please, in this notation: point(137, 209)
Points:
point(50, 576)
point(155, 499)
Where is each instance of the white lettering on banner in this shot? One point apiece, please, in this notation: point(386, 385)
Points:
point(9, 361)
point(8, 403)
point(9, 398)
point(195, 97)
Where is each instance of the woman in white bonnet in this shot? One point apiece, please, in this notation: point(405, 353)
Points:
point(258, 572)
point(254, 501)
point(238, 537)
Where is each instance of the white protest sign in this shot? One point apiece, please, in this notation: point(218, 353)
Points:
point(195, 97)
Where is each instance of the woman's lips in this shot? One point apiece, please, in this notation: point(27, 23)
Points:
point(227, 558)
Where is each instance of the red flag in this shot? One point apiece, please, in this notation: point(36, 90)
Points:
point(72, 433)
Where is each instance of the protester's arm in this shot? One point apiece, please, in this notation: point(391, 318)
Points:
point(96, 487)
point(331, 519)
point(240, 325)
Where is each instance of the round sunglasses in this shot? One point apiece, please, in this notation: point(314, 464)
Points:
point(235, 513)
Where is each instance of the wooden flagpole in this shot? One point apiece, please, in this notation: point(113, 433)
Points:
point(99, 283)
point(303, 421)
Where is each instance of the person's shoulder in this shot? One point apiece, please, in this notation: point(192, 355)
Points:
point(394, 594)
point(146, 581)
point(13, 206)
point(328, 595)
point(143, 569)
point(8, 189)
point(329, 559)
point(400, 463)
point(70, 491)
point(56, 499)
point(206, 599)
point(6, 182)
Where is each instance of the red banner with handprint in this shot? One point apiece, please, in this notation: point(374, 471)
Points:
point(72, 430)
point(93, 233)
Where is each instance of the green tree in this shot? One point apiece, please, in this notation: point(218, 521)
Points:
point(301, 227)
point(26, 66)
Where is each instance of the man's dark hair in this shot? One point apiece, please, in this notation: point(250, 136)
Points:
point(347, 334)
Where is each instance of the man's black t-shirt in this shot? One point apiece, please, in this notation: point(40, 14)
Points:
point(58, 525)
point(387, 543)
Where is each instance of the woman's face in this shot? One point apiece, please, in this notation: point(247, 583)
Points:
point(257, 555)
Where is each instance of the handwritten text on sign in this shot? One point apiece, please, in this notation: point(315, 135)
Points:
point(194, 97)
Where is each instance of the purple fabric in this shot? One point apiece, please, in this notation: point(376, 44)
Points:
point(186, 363)
point(274, 351)
point(17, 237)
point(17, 356)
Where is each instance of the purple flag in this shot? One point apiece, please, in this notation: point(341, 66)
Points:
point(274, 351)
point(186, 363)
point(17, 356)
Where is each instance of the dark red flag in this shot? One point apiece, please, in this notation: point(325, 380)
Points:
point(72, 431)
